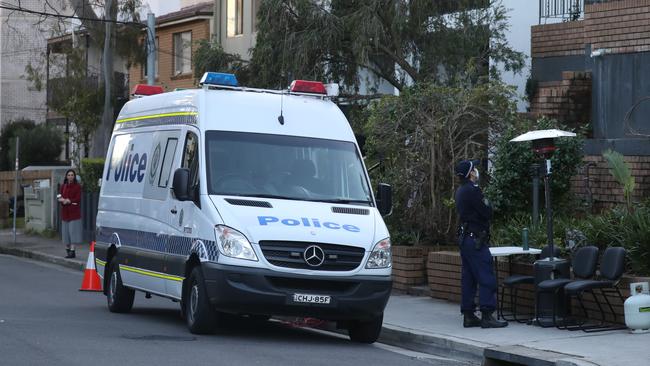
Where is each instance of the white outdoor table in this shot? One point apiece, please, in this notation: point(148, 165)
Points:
point(507, 252)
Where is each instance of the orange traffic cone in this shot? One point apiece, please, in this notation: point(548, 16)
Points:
point(91, 281)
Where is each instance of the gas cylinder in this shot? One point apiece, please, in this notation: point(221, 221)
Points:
point(637, 308)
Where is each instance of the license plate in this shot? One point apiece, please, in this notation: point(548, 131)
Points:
point(312, 299)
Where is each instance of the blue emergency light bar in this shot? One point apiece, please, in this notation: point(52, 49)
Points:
point(219, 78)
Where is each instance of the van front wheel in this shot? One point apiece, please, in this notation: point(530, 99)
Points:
point(199, 316)
point(366, 331)
point(119, 298)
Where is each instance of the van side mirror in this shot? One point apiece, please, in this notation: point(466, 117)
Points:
point(384, 199)
point(181, 184)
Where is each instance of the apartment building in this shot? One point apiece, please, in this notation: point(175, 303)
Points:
point(592, 69)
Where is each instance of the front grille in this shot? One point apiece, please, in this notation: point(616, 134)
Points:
point(290, 254)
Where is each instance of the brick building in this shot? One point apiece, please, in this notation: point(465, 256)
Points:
point(177, 35)
point(593, 69)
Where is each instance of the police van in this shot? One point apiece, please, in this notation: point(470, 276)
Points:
point(240, 201)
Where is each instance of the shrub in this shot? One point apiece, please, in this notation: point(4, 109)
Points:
point(40, 145)
point(8, 137)
point(420, 136)
point(510, 186)
point(92, 170)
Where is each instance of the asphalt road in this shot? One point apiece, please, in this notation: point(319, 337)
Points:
point(45, 320)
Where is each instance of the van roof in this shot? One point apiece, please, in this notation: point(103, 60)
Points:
point(239, 109)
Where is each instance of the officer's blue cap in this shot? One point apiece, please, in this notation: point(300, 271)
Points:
point(465, 167)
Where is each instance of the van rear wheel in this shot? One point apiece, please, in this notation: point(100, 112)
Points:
point(366, 331)
point(199, 316)
point(119, 298)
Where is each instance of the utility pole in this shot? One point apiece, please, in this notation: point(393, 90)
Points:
point(16, 185)
point(100, 143)
point(151, 49)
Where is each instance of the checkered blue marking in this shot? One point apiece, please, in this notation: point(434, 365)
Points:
point(169, 244)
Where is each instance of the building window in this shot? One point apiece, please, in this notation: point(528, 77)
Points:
point(145, 72)
point(182, 53)
point(235, 14)
point(256, 8)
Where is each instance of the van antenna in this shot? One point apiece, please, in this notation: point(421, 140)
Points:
point(284, 47)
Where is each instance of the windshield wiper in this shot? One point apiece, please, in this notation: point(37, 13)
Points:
point(342, 201)
point(263, 195)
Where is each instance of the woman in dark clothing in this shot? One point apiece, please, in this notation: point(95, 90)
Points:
point(70, 199)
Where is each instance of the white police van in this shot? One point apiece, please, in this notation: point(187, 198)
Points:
point(243, 201)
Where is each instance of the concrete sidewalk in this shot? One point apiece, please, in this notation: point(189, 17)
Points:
point(434, 326)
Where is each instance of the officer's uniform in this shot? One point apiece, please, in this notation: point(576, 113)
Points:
point(477, 261)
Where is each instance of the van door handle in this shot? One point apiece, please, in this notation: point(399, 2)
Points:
point(174, 211)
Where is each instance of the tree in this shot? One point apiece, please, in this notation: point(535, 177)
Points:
point(399, 41)
point(419, 136)
point(8, 137)
point(82, 97)
point(41, 144)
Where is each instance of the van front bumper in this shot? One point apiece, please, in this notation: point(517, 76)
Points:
point(245, 290)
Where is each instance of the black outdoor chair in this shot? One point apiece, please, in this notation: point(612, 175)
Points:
point(514, 283)
point(583, 265)
point(611, 269)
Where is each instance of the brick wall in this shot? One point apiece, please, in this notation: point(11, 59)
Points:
point(605, 190)
point(409, 266)
point(200, 30)
point(568, 100)
point(561, 39)
point(621, 26)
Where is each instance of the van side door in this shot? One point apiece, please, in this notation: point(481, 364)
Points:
point(182, 213)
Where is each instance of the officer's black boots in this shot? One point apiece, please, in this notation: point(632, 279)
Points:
point(470, 320)
point(488, 321)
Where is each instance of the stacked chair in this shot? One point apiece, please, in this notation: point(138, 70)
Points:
point(611, 269)
point(583, 266)
point(514, 283)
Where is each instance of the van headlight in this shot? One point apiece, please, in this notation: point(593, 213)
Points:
point(233, 244)
point(380, 257)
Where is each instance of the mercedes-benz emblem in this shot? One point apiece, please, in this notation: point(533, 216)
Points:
point(314, 255)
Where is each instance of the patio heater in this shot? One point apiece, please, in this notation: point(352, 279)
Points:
point(543, 144)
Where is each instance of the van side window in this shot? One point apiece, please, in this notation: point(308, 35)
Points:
point(191, 161)
point(168, 158)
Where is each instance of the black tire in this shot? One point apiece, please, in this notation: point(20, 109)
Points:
point(366, 331)
point(199, 315)
point(119, 298)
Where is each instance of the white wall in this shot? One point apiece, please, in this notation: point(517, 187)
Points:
point(22, 42)
point(523, 14)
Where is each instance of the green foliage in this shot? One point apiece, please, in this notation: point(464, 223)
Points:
point(332, 40)
point(210, 56)
point(615, 227)
point(8, 135)
point(420, 136)
point(621, 172)
point(39, 145)
point(92, 170)
point(510, 185)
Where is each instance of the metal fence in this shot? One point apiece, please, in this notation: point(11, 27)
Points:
point(567, 10)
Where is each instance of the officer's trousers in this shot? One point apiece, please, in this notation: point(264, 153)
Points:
point(478, 270)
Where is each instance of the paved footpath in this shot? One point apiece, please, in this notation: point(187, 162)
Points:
point(434, 326)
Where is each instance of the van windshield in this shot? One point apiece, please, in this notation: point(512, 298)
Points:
point(286, 167)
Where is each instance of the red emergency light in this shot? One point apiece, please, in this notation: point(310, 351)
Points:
point(143, 89)
point(305, 86)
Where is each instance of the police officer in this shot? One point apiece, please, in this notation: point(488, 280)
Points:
point(473, 238)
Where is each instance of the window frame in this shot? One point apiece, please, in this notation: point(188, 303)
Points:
point(181, 56)
point(237, 18)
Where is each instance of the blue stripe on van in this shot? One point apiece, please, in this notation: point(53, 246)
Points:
point(169, 244)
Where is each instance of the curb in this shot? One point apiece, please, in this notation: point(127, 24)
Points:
point(42, 257)
point(435, 344)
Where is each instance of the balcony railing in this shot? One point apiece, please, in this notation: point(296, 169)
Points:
point(566, 10)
